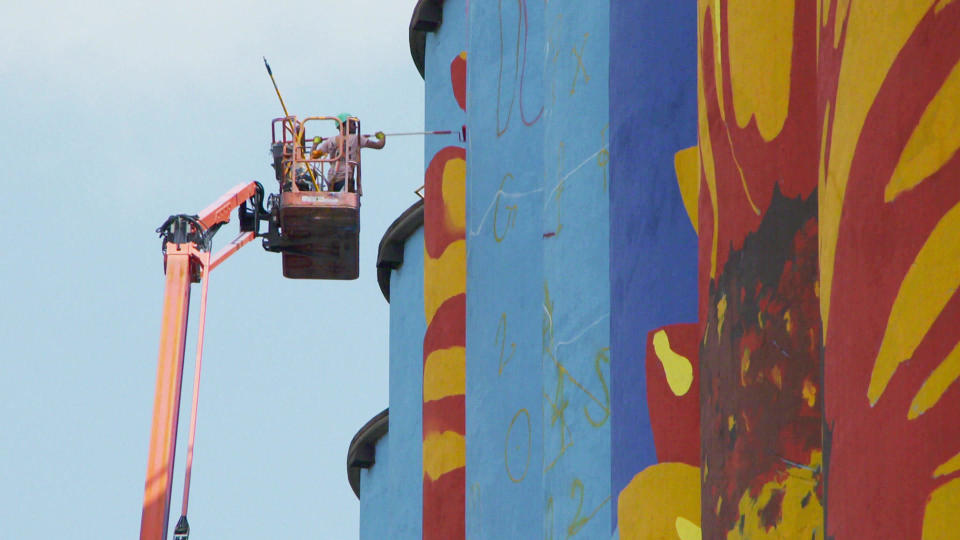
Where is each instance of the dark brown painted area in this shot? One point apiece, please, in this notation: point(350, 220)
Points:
point(761, 349)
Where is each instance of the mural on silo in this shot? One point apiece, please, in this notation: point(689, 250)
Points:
point(445, 287)
point(575, 303)
point(698, 277)
point(505, 295)
point(890, 266)
point(504, 389)
point(654, 336)
point(444, 447)
point(760, 355)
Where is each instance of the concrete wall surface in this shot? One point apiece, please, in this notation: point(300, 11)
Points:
point(378, 495)
point(653, 266)
point(504, 269)
point(537, 301)
point(407, 327)
point(889, 266)
point(445, 277)
point(576, 287)
point(391, 490)
point(693, 274)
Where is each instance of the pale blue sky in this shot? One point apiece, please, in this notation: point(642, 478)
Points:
point(112, 117)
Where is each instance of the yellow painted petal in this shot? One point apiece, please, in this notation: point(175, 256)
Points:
point(933, 142)
point(715, 241)
point(721, 313)
point(650, 505)
point(744, 366)
point(454, 193)
point(876, 32)
point(928, 286)
point(760, 34)
point(687, 530)
point(703, 128)
point(687, 164)
point(718, 56)
point(936, 384)
point(941, 521)
point(444, 374)
point(442, 453)
point(444, 277)
point(842, 6)
point(676, 367)
point(809, 392)
point(951, 466)
point(822, 168)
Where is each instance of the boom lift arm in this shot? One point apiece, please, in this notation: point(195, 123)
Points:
point(317, 231)
point(187, 259)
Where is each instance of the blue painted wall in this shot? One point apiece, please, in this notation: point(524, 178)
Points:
point(578, 245)
point(403, 514)
point(445, 73)
point(504, 270)
point(538, 439)
point(576, 292)
point(653, 246)
point(391, 491)
point(378, 496)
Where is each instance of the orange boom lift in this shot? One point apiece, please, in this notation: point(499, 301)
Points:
point(315, 228)
point(313, 221)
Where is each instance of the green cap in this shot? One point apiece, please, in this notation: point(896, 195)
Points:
point(343, 117)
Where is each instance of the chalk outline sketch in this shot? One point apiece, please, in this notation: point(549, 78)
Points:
point(502, 331)
point(520, 68)
point(511, 212)
point(506, 446)
point(559, 402)
point(580, 67)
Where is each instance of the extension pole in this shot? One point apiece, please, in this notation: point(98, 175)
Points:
point(461, 135)
point(287, 115)
point(441, 132)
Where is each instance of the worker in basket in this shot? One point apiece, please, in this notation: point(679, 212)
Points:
point(286, 170)
point(343, 169)
point(308, 173)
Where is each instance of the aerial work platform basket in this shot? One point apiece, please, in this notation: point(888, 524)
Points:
point(315, 219)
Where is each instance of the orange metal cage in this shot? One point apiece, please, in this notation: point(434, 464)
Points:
point(295, 139)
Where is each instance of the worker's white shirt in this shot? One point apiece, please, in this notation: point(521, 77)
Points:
point(332, 148)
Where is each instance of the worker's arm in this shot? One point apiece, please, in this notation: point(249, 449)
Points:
point(378, 141)
point(317, 153)
point(328, 145)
